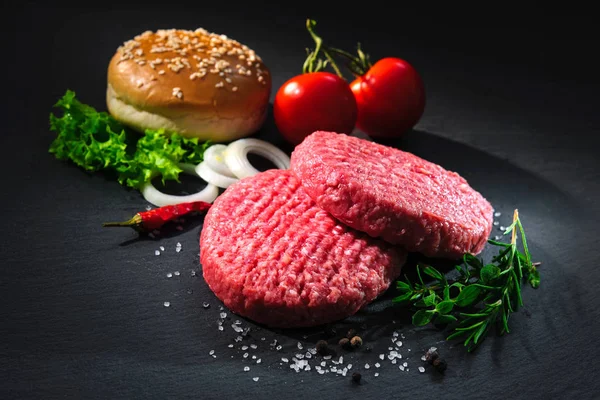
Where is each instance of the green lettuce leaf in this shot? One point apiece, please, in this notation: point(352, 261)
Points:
point(95, 141)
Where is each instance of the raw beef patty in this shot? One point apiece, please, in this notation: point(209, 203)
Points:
point(393, 195)
point(271, 255)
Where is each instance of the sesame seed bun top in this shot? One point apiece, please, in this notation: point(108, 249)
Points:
point(195, 83)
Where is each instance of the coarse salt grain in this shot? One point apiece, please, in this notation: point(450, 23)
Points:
point(255, 379)
point(156, 253)
point(166, 304)
point(421, 369)
point(169, 275)
point(176, 273)
point(381, 356)
point(162, 248)
point(246, 368)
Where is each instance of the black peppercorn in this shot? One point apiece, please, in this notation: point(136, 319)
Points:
point(431, 356)
point(356, 341)
point(356, 377)
point(345, 343)
point(322, 347)
point(351, 333)
point(440, 364)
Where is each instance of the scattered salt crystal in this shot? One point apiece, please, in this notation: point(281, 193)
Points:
point(399, 343)
point(299, 356)
point(341, 360)
point(496, 223)
point(279, 347)
point(308, 354)
point(166, 303)
point(176, 273)
point(497, 237)
point(148, 208)
point(333, 369)
point(223, 315)
point(244, 347)
point(405, 364)
point(245, 355)
point(169, 275)
point(323, 363)
point(220, 327)
point(497, 214)
point(205, 305)
point(246, 368)
point(193, 273)
point(367, 366)
point(421, 369)
point(377, 365)
point(300, 347)
point(263, 339)
point(381, 356)
point(401, 367)
point(230, 346)
point(253, 346)
point(157, 253)
point(254, 357)
point(321, 372)
point(394, 361)
point(259, 361)
point(376, 374)
point(313, 350)
point(238, 339)
point(255, 379)
point(423, 358)
point(211, 352)
point(395, 334)
point(349, 366)
point(162, 248)
point(327, 357)
point(502, 228)
point(307, 368)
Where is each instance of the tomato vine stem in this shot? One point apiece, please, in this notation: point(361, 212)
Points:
point(358, 65)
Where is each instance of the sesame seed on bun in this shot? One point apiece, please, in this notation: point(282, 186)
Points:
point(194, 83)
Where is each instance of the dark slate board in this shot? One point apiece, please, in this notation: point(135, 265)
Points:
point(82, 307)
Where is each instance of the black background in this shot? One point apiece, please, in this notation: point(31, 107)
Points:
point(511, 105)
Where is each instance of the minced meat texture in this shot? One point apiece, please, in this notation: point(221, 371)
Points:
point(393, 195)
point(271, 255)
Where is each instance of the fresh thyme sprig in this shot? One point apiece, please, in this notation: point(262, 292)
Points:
point(481, 297)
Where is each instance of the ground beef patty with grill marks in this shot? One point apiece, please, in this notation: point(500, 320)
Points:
point(393, 195)
point(271, 255)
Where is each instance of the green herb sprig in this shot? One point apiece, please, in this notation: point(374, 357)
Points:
point(481, 297)
point(96, 141)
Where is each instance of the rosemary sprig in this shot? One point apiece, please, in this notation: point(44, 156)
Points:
point(481, 297)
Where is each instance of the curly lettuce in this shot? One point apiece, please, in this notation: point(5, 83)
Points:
point(95, 141)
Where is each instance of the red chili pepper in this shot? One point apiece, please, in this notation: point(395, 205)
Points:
point(148, 221)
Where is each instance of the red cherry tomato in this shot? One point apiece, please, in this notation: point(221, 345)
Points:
point(390, 97)
point(314, 101)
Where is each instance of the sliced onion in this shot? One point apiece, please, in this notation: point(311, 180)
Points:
point(214, 156)
point(236, 156)
point(205, 171)
point(160, 199)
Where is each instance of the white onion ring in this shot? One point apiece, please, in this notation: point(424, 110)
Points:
point(214, 156)
point(153, 196)
point(236, 156)
point(205, 171)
